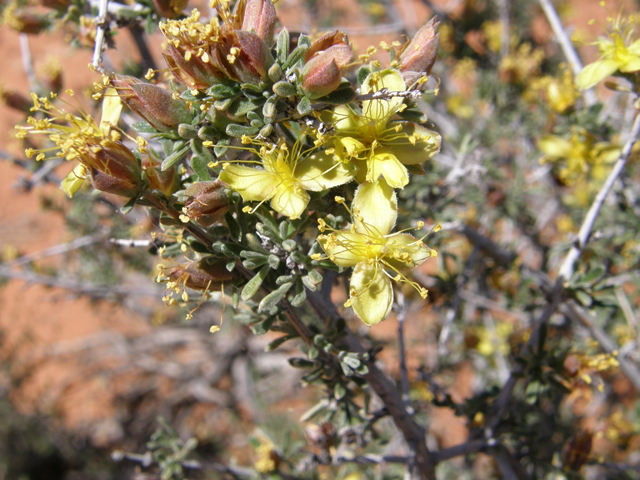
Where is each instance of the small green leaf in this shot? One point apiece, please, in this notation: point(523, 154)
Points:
point(363, 73)
point(254, 284)
point(235, 232)
point(304, 106)
point(277, 343)
point(143, 127)
point(199, 166)
point(262, 327)
point(315, 410)
point(339, 96)
point(274, 261)
point(584, 298)
point(235, 130)
point(272, 300)
point(220, 91)
point(174, 158)
point(282, 46)
point(284, 89)
point(301, 363)
point(339, 391)
point(295, 57)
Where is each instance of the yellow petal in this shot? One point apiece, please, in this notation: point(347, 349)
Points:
point(631, 65)
point(320, 172)
point(344, 248)
point(606, 152)
point(290, 201)
point(409, 251)
point(413, 144)
point(377, 205)
point(73, 181)
point(373, 293)
point(344, 120)
point(596, 72)
point(111, 108)
point(387, 165)
point(634, 48)
point(251, 183)
point(382, 110)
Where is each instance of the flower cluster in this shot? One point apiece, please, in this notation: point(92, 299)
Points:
point(259, 119)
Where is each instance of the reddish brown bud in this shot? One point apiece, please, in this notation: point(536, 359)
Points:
point(170, 8)
point(113, 169)
point(322, 74)
point(15, 100)
point(56, 4)
point(206, 202)
point(325, 42)
point(155, 104)
point(23, 20)
point(259, 16)
point(204, 275)
point(420, 55)
point(249, 59)
point(576, 452)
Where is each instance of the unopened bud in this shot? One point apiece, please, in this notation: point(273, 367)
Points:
point(207, 274)
point(23, 20)
point(15, 100)
point(56, 4)
point(206, 202)
point(325, 42)
point(113, 168)
point(322, 74)
point(420, 55)
point(155, 104)
point(170, 8)
point(260, 17)
point(251, 58)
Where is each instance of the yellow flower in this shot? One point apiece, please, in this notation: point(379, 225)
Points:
point(560, 92)
point(370, 247)
point(286, 177)
point(617, 54)
point(581, 154)
point(373, 143)
point(104, 159)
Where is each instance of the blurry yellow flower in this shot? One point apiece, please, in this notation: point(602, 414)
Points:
point(521, 65)
point(460, 107)
point(493, 35)
point(560, 92)
point(579, 156)
point(370, 247)
point(617, 54)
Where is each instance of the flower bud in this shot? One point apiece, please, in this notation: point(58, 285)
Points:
point(325, 42)
point(206, 202)
point(113, 168)
point(23, 20)
point(155, 104)
point(322, 74)
point(204, 275)
point(259, 16)
point(420, 55)
point(56, 4)
point(248, 57)
point(168, 181)
point(170, 8)
point(15, 100)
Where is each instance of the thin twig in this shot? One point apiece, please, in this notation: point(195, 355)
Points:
point(629, 369)
point(101, 20)
point(404, 377)
point(100, 291)
point(566, 46)
point(505, 37)
point(58, 249)
point(566, 271)
point(27, 61)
